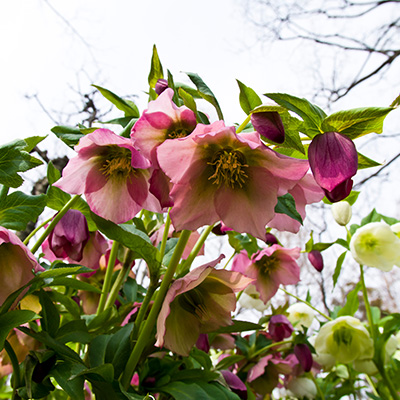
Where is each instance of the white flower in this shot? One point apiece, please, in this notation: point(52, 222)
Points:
point(300, 314)
point(346, 339)
point(376, 245)
point(303, 387)
point(341, 212)
point(250, 299)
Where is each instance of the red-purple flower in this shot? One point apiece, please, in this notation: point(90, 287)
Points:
point(221, 176)
point(269, 124)
point(316, 260)
point(112, 174)
point(269, 267)
point(333, 161)
point(17, 264)
point(279, 328)
point(200, 302)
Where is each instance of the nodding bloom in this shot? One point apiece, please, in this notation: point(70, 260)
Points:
point(218, 175)
point(200, 302)
point(269, 267)
point(17, 264)
point(112, 174)
point(333, 161)
point(279, 327)
point(161, 121)
point(269, 124)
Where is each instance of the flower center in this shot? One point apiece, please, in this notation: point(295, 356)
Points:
point(343, 336)
point(229, 168)
point(178, 131)
point(369, 241)
point(117, 163)
point(193, 302)
point(267, 264)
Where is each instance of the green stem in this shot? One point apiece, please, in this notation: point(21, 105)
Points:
point(165, 236)
point(195, 251)
point(108, 277)
point(367, 305)
point(388, 382)
point(122, 275)
point(33, 233)
point(270, 346)
point(372, 386)
point(229, 260)
point(320, 393)
point(145, 333)
point(54, 222)
point(306, 302)
point(16, 379)
point(243, 124)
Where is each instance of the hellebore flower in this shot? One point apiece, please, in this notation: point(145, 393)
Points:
point(346, 339)
point(303, 354)
point(341, 212)
point(302, 387)
point(376, 245)
point(300, 314)
point(306, 191)
point(16, 264)
point(221, 176)
point(110, 172)
point(333, 161)
point(200, 302)
point(235, 383)
point(269, 267)
point(250, 299)
point(269, 124)
point(316, 260)
point(279, 328)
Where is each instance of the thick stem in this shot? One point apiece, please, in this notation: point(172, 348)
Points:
point(243, 124)
point(54, 222)
point(108, 277)
point(33, 233)
point(145, 333)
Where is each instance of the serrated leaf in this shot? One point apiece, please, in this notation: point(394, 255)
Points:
point(205, 92)
point(18, 208)
point(356, 122)
point(11, 320)
point(338, 267)
point(352, 302)
point(32, 142)
point(156, 69)
point(14, 159)
point(365, 162)
point(53, 174)
point(129, 108)
point(287, 205)
point(311, 114)
point(248, 98)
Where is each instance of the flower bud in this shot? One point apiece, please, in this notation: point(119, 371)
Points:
point(316, 260)
point(270, 239)
point(279, 328)
point(300, 315)
point(376, 245)
point(341, 212)
point(269, 124)
point(303, 354)
point(161, 85)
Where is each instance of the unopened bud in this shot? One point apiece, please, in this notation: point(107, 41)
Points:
point(316, 260)
point(341, 212)
point(161, 85)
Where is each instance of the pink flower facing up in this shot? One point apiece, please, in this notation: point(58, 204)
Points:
point(333, 161)
point(221, 176)
point(112, 174)
point(200, 302)
point(269, 267)
point(16, 264)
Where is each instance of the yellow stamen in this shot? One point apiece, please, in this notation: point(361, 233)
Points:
point(117, 164)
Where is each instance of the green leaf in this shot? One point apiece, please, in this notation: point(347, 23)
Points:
point(53, 174)
point(32, 142)
point(62, 373)
point(11, 320)
point(248, 98)
point(292, 135)
point(61, 271)
point(239, 326)
point(373, 216)
point(68, 134)
point(102, 373)
point(188, 100)
point(126, 132)
point(74, 331)
point(156, 69)
point(311, 114)
point(123, 121)
point(185, 391)
point(338, 267)
point(365, 162)
point(18, 208)
point(129, 108)
point(352, 302)
point(226, 362)
point(287, 205)
point(217, 391)
point(356, 122)
point(74, 284)
point(50, 315)
point(205, 92)
point(130, 237)
point(14, 159)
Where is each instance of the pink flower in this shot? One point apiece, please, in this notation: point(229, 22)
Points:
point(112, 174)
point(333, 161)
point(200, 302)
point(221, 176)
point(17, 264)
point(269, 267)
point(306, 191)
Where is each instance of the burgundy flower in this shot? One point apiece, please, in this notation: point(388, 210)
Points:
point(235, 383)
point(316, 260)
point(333, 161)
point(269, 124)
point(279, 328)
point(161, 85)
point(303, 354)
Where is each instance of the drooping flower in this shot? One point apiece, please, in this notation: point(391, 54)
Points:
point(279, 328)
point(300, 315)
point(301, 387)
point(17, 264)
point(269, 124)
point(269, 267)
point(306, 191)
point(112, 174)
point(303, 354)
point(250, 299)
point(221, 176)
point(346, 339)
point(200, 302)
point(341, 212)
point(234, 382)
point(376, 245)
point(333, 161)
point(316, 260)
